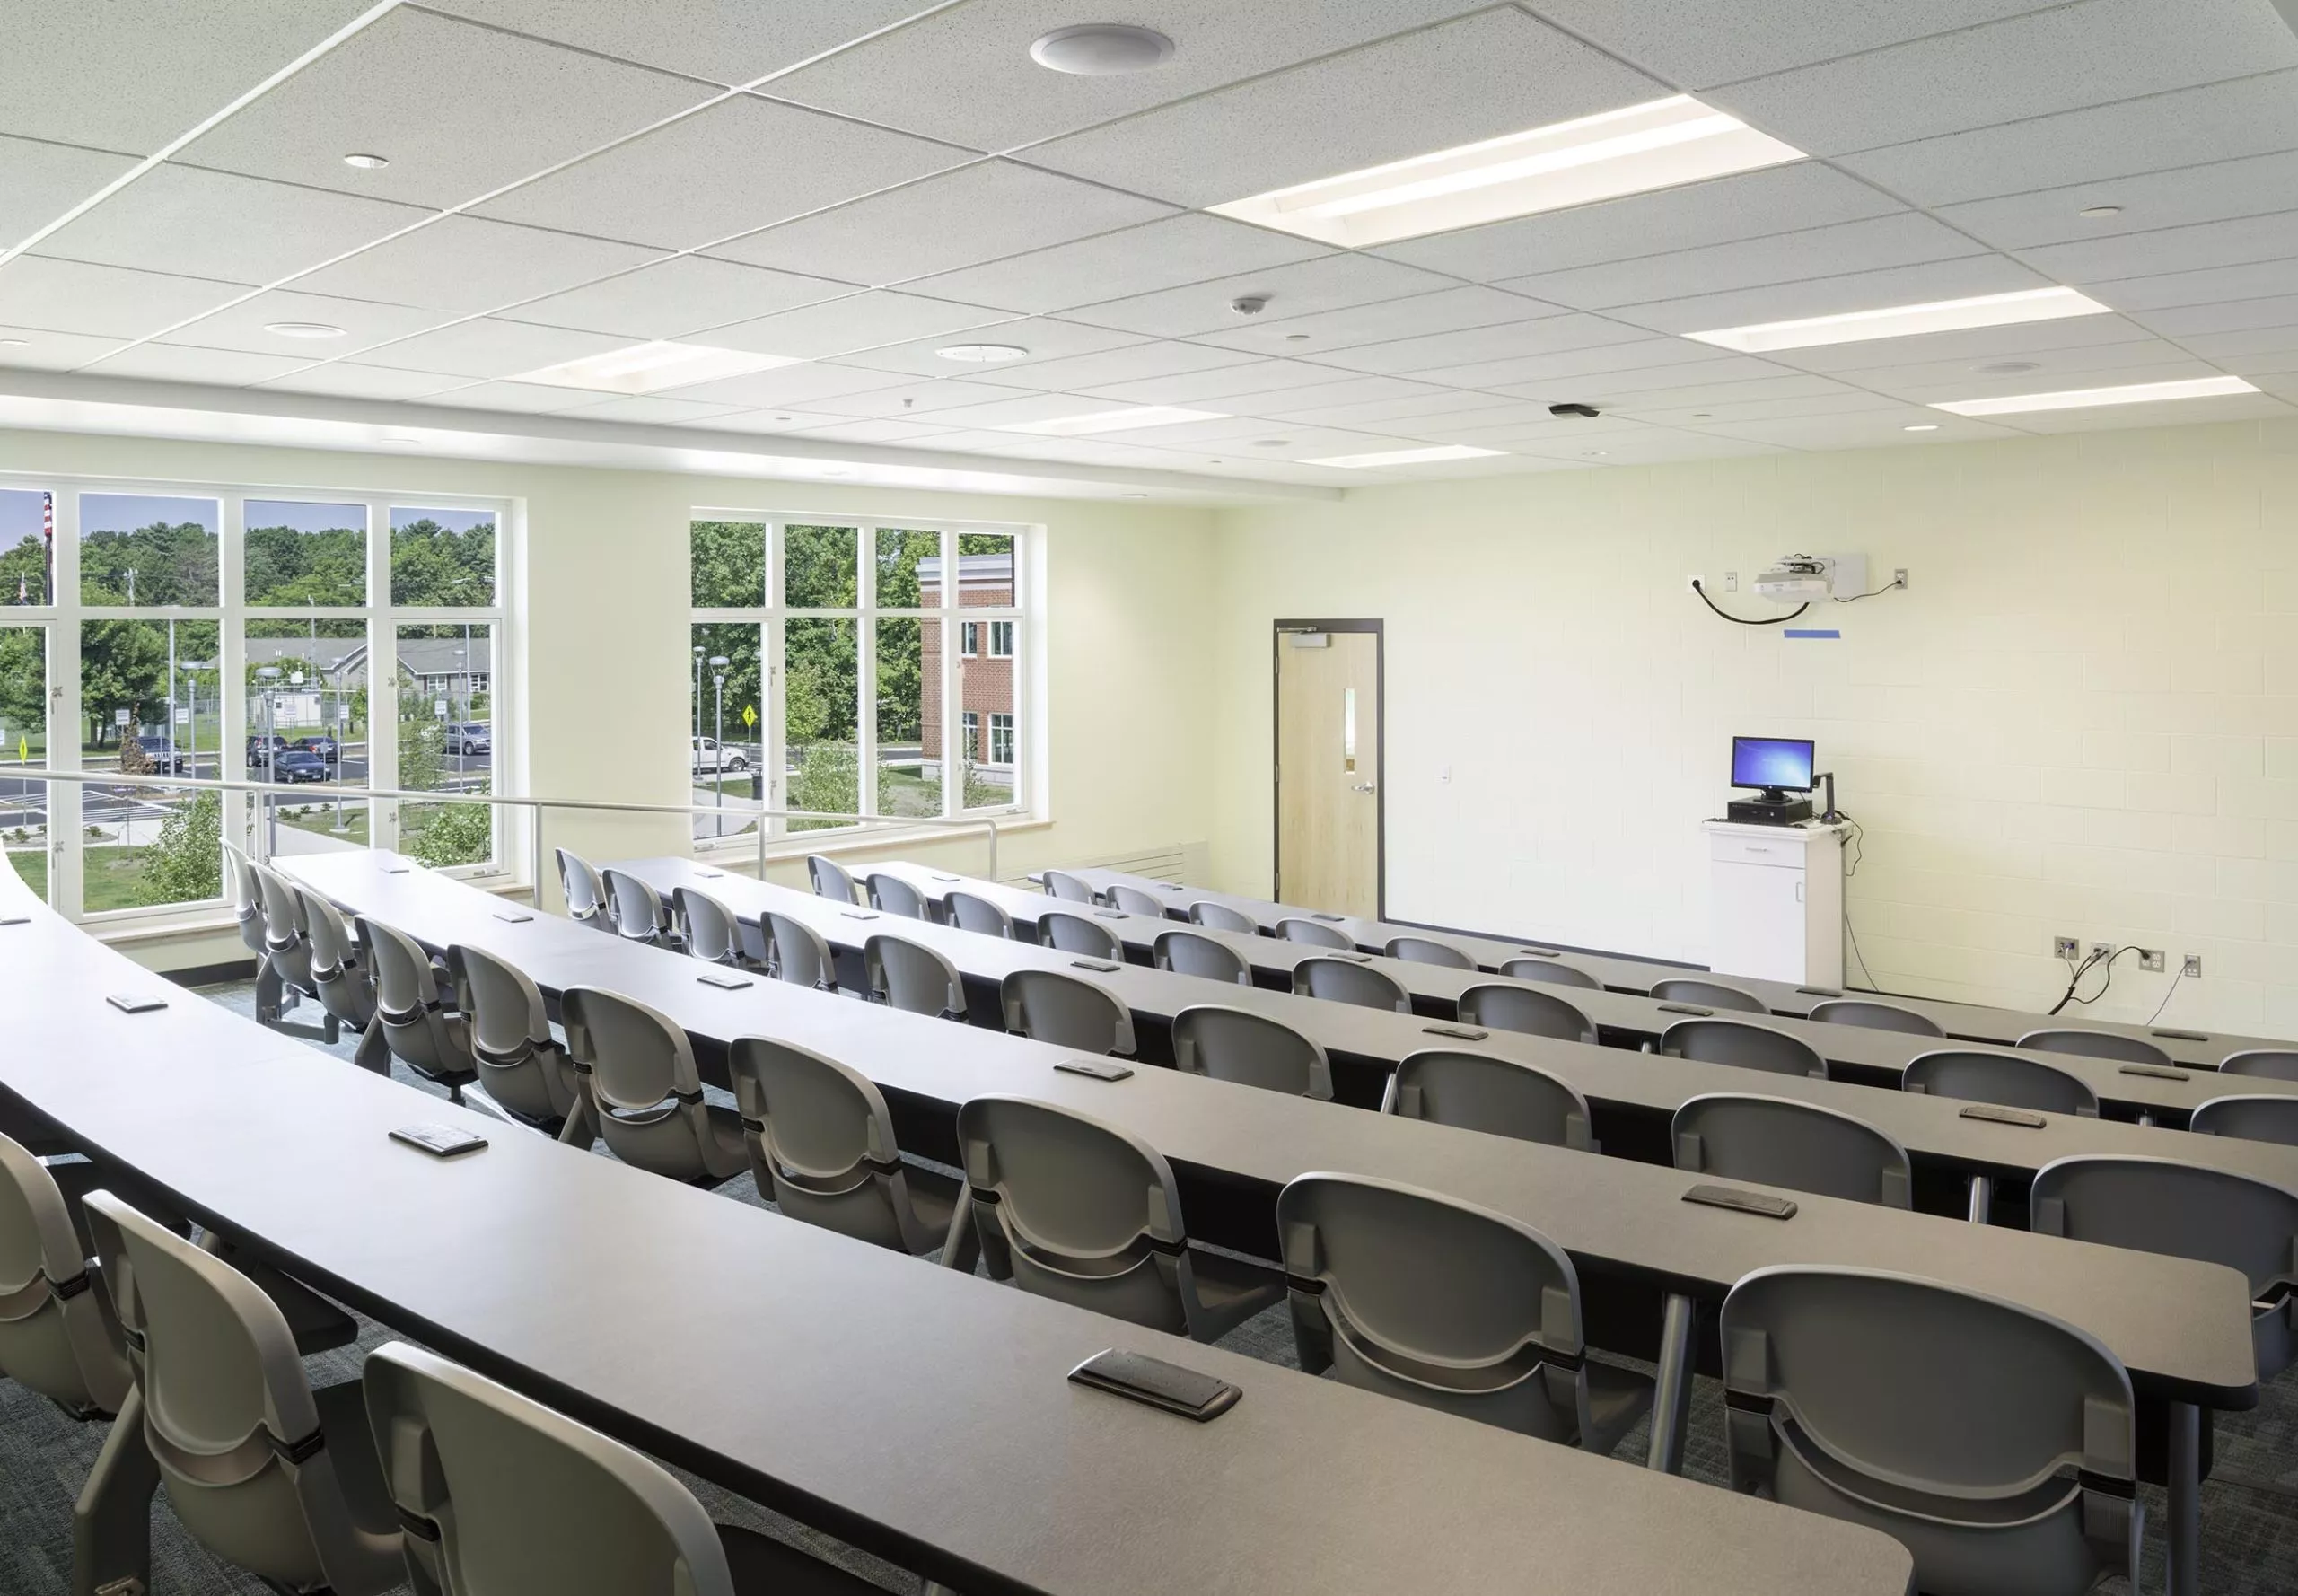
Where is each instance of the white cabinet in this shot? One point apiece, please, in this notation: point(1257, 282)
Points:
point(1776, 902)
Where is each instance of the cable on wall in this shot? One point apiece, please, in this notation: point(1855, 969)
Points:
point(1738, 621)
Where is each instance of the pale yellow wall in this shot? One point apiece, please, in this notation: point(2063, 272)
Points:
point(2083, 717)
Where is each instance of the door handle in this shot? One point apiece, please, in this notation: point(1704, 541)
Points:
point(1364, 787)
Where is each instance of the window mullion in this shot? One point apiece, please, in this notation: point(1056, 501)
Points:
point(865, 668)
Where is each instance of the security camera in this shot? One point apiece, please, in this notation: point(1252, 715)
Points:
point(1587, 410)
point(1249, 304)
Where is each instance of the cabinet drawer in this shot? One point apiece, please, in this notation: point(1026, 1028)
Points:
point(1787, 852)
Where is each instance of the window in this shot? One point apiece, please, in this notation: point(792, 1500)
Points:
point(828, 649)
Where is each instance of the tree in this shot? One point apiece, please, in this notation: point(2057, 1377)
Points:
point(288, 567)
point(171, 564)
point(729, 562)
point(185, 863)
point(24, 569)
point(123, 665)
point(452, 834)
point(23, 688)
point(432, 564)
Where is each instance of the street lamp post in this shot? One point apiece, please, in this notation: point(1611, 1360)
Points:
point(718, 663)
point(698, 652)
point(268, 677)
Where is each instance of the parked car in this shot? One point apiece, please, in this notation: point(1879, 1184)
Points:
point(295, 764)
point(712, 755)
point(155, 749)
point(325, 747)
point(258, 752)
point(471, 737)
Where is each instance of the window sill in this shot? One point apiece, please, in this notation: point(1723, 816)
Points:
point(219, 920)
point(839, 844)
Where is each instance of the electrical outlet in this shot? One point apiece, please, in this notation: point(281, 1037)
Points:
point(2102, 951)
point(1899, 576)
point(2193, 966)
point(1731, 582)
point(2067, 947)
point(1691, 583)
point(2150, 960)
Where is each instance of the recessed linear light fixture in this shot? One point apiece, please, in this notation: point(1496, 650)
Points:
point(1657, 145)
point(981, 354)
point(367, 163)
point(1404, 457)
point(2084, 398)
point(1903, 321)
point(303, 329)
point(1921, 427)
point(1113, 421)
point(648, 368)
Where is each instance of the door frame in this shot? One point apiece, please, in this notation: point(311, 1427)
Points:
point(1277, 630)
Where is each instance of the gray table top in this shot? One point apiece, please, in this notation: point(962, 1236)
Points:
point(920, 1412)
point(2192, 1047)
point(2181, 1327)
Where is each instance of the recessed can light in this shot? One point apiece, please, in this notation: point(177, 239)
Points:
point(14, 343)
point(2008, 368)
point(1595, 453)
point(1270, 443)
point(1133, 495)
point(1296, 337)
point(303, 329)
point(407, 440)
point(365, 163)
point(2099, 213)
point(1922, 426)
point(1098, 50)
point(981, 354)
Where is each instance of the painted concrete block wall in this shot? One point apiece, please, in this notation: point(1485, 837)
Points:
point(2081, 719)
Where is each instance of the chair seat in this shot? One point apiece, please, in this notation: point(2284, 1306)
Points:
point(764, 1566)
point(1231, 1289)
point(933, 1197)
point(1618, 1399)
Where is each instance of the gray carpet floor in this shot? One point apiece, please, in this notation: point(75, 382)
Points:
point(2250, 1505)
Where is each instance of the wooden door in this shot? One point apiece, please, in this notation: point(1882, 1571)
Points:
point(1329, 769)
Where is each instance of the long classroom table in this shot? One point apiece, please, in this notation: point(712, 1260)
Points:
point(919, 1413)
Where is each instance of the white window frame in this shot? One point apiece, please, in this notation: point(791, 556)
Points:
point(1008, 729)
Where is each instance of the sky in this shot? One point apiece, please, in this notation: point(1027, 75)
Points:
point(20, 514)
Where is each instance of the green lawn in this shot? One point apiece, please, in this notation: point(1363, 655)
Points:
point(320, 822)
point(112, 879)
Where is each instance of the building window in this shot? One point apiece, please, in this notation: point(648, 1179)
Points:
point(824, 651)
point(1001, 739)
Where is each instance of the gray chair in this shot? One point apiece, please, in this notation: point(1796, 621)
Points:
point(1972, 1075)
point(1220, 917)
point(1049, 1006)
point(913, 978)
point(1997, 1444)
point(831, 880)
point(57, 1337)
point(585, 891)
point(1251, 1049)
point(1553, 971)
point(1742, 1046)
point(1344, 980)
point(1504, 1006)
point(1427, 949)
point(340, 970)
point(2186, 1210)
point(969, 911)
point(1777, 1141)
point(2278, 1064)
point(1073, 888)
point(641, 913)
point(892, 895)
point(1133, 900)
point(797, 953)
point(1075, 933)
point(421, 1030)
point(1498, 1096)
point(1435, 1301)
point(1876, 1016)
point(2096, 1044)
point(2265, 1119)
point(286, 947)
point(1708, 995)
point(522, 1067)
point(1316, 934)
point(649, 1098)
point(502, 1495)
point(1193, 953)
point(1057, 1203)
point(821, 1148)
point(713, 932)
point(247, 910)
point(263, 1470)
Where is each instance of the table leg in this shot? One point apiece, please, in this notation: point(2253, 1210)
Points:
point(1672, 1403)
point(2183, 1569)
point(1982, 1198)
point(112, 1521)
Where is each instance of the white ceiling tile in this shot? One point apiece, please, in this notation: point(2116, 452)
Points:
point(1007, 100)
point(1653, 447)
point(1497, 73)
point(706, 39)
point(1217, 388)
point(1446, 406)
point(1789, 198)
point(1560, 438)
point(1289, 402)
point(767, 421)
point(166, 363)
point(880, 432)
point(2227, 121)
point(131, 74)
point(1849, 402)
point(2049, 368)
point(1970, 345)
point(1284, 441)
point(1905, 239)
point(2149, 201)
point(1044, 339)
point(1977, 385)
point(1635, 391)
point(458, 111)
point(655, 410)
point(32, 348)
point(348, 380)
point(2238, 315)
point(527, 398)
point(1136, 362)
point(2231, 349)
point(789, 386)
point(1166, 254)
point(2171, 249)
point(2055, 60)
point(1877, 429)
point(2212, 285)
point(215, 225)
point(1213, 435)
point(737, 165)
point(2191, 412)
point(1828, 296)
point(40, 181)
point(466, 265)
point(983, 211)
point(364, 323)
point(912, 400)
point(686, 293)
point(1549, 334)
point(104, 301)
point(1020, 412)
point(1645, 353)
point(1688, 42)
point(1327, 283)
point(1447, 309)
point(486, 348)
point(1597, 386)
point(858, 322)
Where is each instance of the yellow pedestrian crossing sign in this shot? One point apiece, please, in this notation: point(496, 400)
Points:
point(750, 715)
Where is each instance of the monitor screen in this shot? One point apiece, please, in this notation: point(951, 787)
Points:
point(1781, 762)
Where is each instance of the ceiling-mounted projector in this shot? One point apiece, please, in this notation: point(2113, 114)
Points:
point(1807, 578)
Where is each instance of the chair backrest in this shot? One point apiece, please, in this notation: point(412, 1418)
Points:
point(247, 897)
point(830, 879)
point(712, 932)
point(1075, 933)
point(1744, 1046)
point(338, 970)
point(2281, 1064)
point(57, 1337)
point(513, 1497)
point(1777, 1141)
point(1427, 949)
point(2260, 1118)
point(2006, 1079)
point(1848, 1388)
point(2095, 1044)
point(406, 983)
point(1708, 995)
point(821, 1143)
point(1053, 1007)
point(523, 1069)
point(229, 1417)
point(1506, 1007)
point(584, 891)
point(284, 939)
point(801, 953)
point(1316, 934)
point(1193, 953)
point(1251, 1049)
point(1075, 889)
point(913, 978)
point(640, 913)
point(1220, 917)
point(2186, 1210)
point(1067, 1195)
point(969, 911)
point(1477, 1091)
point(892, 895)
point(1133, 900)
point(651, 1110)
point(1876, 1016)
point(1344, 980)
point(1438, 1302)
point(1553, 971)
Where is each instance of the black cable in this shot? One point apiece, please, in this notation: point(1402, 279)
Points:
point(1737, 620)
point(1888, 587)
point(1855, 953)
point(2166, 1004)
point(2105, 961)
point(2109, 968)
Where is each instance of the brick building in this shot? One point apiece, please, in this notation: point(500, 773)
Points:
point(985, 581)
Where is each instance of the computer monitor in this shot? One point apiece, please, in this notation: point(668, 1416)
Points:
point(1778, 765)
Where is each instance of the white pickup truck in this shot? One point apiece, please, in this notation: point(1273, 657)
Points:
point(713, 757)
